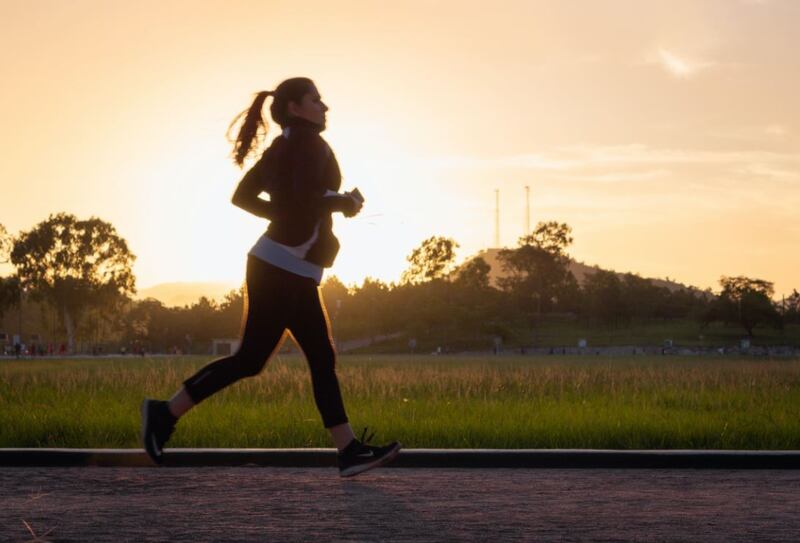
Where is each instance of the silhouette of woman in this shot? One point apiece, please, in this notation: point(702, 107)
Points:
point(284, 269)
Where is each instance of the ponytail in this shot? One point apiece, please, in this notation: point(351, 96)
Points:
point(253, 128)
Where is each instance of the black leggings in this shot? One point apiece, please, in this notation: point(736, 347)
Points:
point(277, 300)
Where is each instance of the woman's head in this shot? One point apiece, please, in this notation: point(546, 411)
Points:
point(293, 98)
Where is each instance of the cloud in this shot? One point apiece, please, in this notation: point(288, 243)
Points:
point(578, 156)
point(766, 171)
point(676, 65)
point(632, 163)
point(524, 161)
point(755, 134)
point(776, 130)
point(612, 177)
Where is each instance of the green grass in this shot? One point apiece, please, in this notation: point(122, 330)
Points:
point(682, 332)
point(506, 402)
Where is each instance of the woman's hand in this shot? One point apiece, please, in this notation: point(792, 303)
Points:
point(352, 206)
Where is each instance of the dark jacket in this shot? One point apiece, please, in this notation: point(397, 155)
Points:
point(296, 172)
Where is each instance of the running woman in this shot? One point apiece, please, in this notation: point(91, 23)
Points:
point(284, 269)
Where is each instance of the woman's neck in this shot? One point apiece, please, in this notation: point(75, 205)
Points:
point(301, 121)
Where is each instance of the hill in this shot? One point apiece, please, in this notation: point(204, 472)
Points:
point(187, 293)
point(180, 293)
point(578, 269)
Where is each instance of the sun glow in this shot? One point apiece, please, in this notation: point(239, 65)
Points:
point(120, 110)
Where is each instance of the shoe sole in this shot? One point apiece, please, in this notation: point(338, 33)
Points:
point(382, 461)
point(145, 409)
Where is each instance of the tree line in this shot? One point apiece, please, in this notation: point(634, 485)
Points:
point(80, 271)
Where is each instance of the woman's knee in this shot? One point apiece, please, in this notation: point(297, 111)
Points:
point(249, 363)
point(322, 360)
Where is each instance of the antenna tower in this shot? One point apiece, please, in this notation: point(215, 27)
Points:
point(497, 218)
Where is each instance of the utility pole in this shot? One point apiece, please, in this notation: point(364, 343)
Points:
point(21, 301)
point(527, 210)
point(497, 218)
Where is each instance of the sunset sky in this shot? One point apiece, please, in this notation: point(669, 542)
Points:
point(666, 133)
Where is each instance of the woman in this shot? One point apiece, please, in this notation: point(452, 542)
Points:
point(284, 269)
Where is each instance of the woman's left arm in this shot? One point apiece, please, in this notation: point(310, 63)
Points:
point(309, 156)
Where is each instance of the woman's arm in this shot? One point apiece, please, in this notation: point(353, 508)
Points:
point(246, 194)
point(310, 155)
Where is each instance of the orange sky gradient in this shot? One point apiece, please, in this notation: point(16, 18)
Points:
point(664, 133)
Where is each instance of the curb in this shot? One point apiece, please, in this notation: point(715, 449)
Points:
point(414, 458)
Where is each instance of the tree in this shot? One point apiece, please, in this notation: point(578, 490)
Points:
point(231, 313)
point(9, 286)
point(538, 275)
point(10, 293)
point(75, 265)
point(200, 324)
point(334, 292)
point(473, 303)
point(552, 237)
point(6, 244)
point(603, 297)
point(370, 309)
point(744, 301)
point(335, 295)
point(738, 287)
point(791, 307)
point(433, 259)
point(473, 274)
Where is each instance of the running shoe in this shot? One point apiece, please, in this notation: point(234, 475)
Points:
point(157, 427)
point(359, 456)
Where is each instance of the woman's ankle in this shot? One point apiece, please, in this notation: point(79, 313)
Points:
point(180, 403)
point(342, 435)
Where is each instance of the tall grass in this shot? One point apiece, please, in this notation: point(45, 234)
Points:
point(502, 402)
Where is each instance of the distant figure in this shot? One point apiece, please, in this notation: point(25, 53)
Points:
point(498, 345)
point(17, 349)
point(284, 268)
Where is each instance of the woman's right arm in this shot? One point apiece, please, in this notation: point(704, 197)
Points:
point(246, 194)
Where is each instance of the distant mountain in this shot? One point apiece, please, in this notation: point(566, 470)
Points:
point(578, 269)
point(180, 294)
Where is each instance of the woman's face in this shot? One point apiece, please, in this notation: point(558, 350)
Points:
point(310, 108)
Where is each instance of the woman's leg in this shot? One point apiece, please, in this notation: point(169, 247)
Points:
point(342, 435)
point(267, 309)
point(180, 403)
point(311, 329)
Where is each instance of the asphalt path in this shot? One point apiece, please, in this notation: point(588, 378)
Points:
point(409, 504)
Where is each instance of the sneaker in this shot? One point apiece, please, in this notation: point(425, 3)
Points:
point(358, 456)
point(157, 426)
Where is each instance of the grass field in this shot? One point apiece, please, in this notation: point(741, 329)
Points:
point(504, 402)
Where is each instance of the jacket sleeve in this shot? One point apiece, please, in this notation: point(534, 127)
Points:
point(252, 185)
point(309, 156)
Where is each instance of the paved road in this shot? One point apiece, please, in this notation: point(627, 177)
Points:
point(286, 504)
